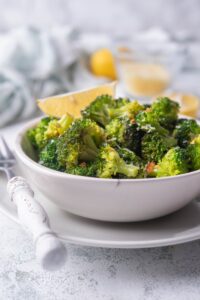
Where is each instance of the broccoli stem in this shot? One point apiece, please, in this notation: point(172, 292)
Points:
point(90, 151)
point(128, 170)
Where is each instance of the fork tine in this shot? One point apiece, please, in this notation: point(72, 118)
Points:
point(1, 155)
point(8, 152)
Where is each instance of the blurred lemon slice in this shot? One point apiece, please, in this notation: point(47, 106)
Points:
point(73, 103)
point(189, 103)
point(102, 63)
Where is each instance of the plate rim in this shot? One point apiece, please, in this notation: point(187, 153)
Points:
point(116, 244)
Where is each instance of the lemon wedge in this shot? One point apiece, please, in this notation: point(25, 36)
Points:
point(73, 103)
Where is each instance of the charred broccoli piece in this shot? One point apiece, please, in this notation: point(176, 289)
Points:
point(120, 102)
point(154, 146)
point(165, 111)
point(80, 143)
point(175, 162)
point(83, 169)
point(125, 133)
point(147, 121)
point(110, 164)
point(185, 131)
point(146, 105)
point(129, 156)
point(193, 151)
point(48, 155)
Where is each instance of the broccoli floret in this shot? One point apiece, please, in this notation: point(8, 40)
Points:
point(161, 116)
point(48, 155)
point(146, 121)
point(83, 169)
point(146, 105)
point(125, 133)
point(119, 102)
point(129, 156)
point(193, 151)
point(80, 143)
point(104, 108)
point(185, 131)
point(175, 162)
point(154, 146)
point(57, 127)
point(47, 129)
point(130, 110)
point(165, 111)
point(98, 110)
point(37, 135)
point(110, 164)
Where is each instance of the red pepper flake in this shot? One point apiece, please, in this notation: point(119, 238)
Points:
point(150, 167)
point(83, 164)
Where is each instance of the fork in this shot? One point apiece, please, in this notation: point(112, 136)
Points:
point(50, 251)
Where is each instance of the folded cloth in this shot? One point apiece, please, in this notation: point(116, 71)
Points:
point(33, 64)
point(37, 54)
point(30, 67)
point(16, 99)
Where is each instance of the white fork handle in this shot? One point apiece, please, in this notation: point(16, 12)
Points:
point(50, 251)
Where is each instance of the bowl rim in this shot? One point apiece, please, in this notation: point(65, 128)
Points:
point(25, 158)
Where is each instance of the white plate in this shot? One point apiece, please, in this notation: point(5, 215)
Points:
point(182, 226)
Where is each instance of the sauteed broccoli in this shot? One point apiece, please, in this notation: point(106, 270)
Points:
point(117, 138)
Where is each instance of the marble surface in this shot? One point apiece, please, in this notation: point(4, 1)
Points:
point(96, 273)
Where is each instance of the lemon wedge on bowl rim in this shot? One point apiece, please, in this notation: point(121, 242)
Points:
point(72, 103)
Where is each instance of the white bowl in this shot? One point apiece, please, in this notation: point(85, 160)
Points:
point(119, 200)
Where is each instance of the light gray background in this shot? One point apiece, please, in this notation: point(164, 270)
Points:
point(115, 16)
point(150, 274)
